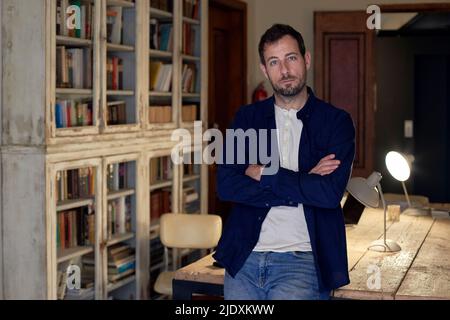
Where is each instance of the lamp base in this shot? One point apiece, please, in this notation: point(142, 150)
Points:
point(381, 246)
point(417, 212)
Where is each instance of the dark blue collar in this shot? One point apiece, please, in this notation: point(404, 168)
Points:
point(302, 114)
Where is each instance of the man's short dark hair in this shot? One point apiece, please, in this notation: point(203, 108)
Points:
point(275, 33)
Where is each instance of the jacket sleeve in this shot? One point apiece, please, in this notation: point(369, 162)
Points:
point(315, 190)
point(232, 183)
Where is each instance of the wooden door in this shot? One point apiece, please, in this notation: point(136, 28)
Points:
point(227, 76)
point(344, 75)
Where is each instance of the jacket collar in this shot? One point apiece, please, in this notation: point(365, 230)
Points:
point(304, 113)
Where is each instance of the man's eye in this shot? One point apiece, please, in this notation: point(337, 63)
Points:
point(292, 58)
point(273, 63)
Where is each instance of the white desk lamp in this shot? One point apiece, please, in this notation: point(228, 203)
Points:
point(398, 166)
point(368, 192)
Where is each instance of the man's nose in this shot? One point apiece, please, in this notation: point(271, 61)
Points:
point(283, 68)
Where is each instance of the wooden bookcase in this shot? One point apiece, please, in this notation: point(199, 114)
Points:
point(104, 126)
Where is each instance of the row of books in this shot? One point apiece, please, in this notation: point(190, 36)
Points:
point(191, 9)
point(156, 251)
point(189, 74)
point(191, 39)
point(117, 176)
point(189, 194)
point(73, 68)
point(75, 184)
point(160, 76)
point(72, 113)
point(86, 290)
point(161, 35)
point(121, 262)
point(75, 228)
point(163, 114)
point(64, 14)
point(117, 112)
point(160, 203)
point(160, 114)
point(114, 73)
point(161, 169)
point(189, 113)
point(165, 5)
point(119, 216)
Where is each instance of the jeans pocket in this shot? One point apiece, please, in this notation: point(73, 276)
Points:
point(307, 255)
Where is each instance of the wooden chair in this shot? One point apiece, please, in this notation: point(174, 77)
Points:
point(185, 231)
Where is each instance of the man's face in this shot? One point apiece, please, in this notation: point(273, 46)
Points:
point(285, 67)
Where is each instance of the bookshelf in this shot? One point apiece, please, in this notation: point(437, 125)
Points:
point(120, 73)
point(122, 273)
point(63, 75)
point(163, 63)
point(163, 198)
point(75, 213)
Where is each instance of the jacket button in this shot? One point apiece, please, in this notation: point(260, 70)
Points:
point(259, 218)
point(267, 204)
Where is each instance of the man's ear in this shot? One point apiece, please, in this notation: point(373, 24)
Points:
point(308, 60)
point(264, 70)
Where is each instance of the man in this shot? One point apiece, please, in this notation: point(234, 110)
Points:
point(285, 238)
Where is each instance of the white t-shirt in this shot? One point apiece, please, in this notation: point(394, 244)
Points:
point(284, 228)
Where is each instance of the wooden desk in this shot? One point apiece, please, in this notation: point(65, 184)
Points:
point(421, 270)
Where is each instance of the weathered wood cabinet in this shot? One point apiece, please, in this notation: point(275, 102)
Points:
point(36, 151)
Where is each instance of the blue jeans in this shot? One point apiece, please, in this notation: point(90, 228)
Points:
point(275, 276)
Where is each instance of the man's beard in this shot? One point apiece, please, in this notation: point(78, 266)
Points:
point(291, 91)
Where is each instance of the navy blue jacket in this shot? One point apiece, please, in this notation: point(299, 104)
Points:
point(326, 130)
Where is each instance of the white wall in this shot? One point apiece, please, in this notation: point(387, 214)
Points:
point(300, 15)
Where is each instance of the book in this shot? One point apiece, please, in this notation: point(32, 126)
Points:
point(120, 276)
point(190, 194)
point(130, 265)
point(114, 24)
point(62, 284)
point(189, 113)
point(117, 112)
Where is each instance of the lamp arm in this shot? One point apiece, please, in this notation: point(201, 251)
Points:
point(406, 194)
point(384, 208)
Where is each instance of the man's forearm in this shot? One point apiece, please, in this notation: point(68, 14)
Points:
point(310, 189)
point(235, 186)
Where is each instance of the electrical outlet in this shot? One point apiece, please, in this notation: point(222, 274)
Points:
point(409, 126)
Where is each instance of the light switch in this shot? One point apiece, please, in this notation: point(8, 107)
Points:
point(409, 126)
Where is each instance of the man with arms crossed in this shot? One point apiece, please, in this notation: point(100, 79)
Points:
point(285, 238)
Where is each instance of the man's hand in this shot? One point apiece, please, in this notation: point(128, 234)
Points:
point(254, 171)
point(326, 166)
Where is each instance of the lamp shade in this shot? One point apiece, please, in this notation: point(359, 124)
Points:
point(398, 166)
point(364, 190)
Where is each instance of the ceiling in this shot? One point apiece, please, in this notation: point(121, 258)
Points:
point(415, 24)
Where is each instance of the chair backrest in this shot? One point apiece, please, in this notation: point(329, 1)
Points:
point(194, 231)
